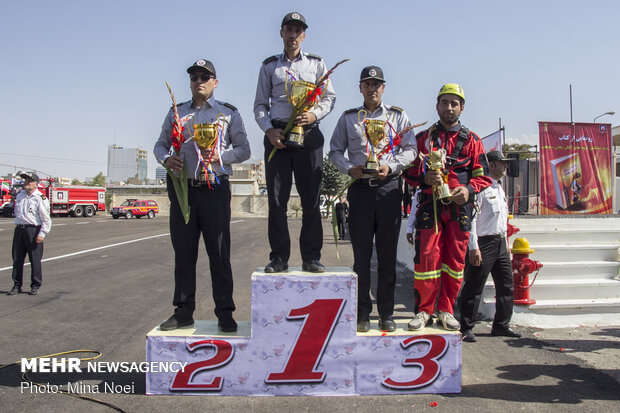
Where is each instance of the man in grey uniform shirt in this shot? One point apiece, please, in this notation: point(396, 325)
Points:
point(272, 112)
point(374, 198)
point(209, 204)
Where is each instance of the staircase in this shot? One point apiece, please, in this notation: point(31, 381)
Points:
point(579, 283)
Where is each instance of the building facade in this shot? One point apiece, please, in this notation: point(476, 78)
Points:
point(125, 163)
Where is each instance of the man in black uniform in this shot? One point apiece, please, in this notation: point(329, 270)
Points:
point(209, 203)
point(374, 198)
point(342, 211)
point(272, 112)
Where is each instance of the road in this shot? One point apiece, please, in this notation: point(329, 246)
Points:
point(108, 282)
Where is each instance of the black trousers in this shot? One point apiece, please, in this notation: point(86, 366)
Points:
point(209, 216)
point(495, 259)
point(374, 212)
point(306, 165)
point(342, 226)
point(25, 243)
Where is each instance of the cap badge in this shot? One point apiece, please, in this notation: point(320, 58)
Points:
point(372, 72)
point(201, 62)
point(295, 16)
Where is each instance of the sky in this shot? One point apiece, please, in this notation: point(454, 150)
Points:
point(77, 76)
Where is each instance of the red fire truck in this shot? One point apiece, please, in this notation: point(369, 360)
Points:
point(75, 200)
point(70, 200)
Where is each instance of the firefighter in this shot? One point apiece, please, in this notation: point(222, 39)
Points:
point(272, 111)
point(210, 203)
point(32, 224)
point(442, 226)
point(489, 252)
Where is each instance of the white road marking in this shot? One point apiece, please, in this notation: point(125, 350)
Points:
point(92, 249)
point(99, 248)
point(80, 223)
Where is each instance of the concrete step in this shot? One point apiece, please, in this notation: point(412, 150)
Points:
point(573, 222)
point(579, 269)
point(575, 303)
point(593, 303)
point(564, 236)
point(564, 253)
point(562, 289)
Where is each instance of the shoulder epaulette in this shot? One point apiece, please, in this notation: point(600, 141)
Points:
point(228, 105)
point(270, 59)
point(396, 109)
point(179, 105)
point(346, 112)
point(314, 56)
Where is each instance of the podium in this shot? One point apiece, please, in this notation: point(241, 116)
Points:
point(302, 340)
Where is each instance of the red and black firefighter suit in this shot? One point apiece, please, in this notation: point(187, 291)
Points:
point(440, 256)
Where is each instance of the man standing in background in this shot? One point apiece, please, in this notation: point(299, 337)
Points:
point(32, 224)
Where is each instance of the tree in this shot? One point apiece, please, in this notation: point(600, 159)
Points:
point(333, 180)
point(99, 179)
point(76, 181)
point(523, 149)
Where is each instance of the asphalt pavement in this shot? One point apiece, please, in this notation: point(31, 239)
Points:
point(107, 282)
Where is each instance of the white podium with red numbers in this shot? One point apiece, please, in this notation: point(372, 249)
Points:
point(302, 340)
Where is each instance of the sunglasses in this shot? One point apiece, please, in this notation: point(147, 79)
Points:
point(204, 78)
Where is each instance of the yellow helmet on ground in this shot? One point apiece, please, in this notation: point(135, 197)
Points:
point(453, 89)
point(521, 246)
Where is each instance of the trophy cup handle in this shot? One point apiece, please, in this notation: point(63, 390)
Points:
point(287, 77)
point(360, 120)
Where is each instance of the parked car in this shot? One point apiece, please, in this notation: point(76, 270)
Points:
point(135, 208)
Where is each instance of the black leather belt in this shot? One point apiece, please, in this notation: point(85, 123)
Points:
point(496, 236)
point(281, 125)
point(196, 183)
point(25, 226)
point(376, 181)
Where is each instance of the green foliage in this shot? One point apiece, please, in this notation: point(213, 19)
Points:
point(524, 150)
point(76, 181)
point(296, 208)
point(333, 180)
point(99, 179)
point(108, 201)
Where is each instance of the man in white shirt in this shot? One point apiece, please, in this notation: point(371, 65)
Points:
point(489, 252)
point(32, 223)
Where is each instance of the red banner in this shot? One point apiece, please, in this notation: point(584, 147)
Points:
point(575, 168)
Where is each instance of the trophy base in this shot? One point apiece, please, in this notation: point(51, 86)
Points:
point(443, 194)
point(295, 138)
point(210, 178)
point(372, 167)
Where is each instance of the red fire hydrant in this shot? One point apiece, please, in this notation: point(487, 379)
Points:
point(512, 229)
point(522, 267)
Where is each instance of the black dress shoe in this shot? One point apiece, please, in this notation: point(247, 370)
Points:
point(14, 290)
point(363, 326)
point(227, 324)
point(387, 324)
point(469, 336)
point(175, 322)
point(313, 266)
point(504, 331)
point(34, 291)
point(276, 265)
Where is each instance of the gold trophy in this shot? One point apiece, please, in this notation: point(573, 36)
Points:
point(437, 162)
point(297, 93)
point(205, 136)
point(374, 129)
